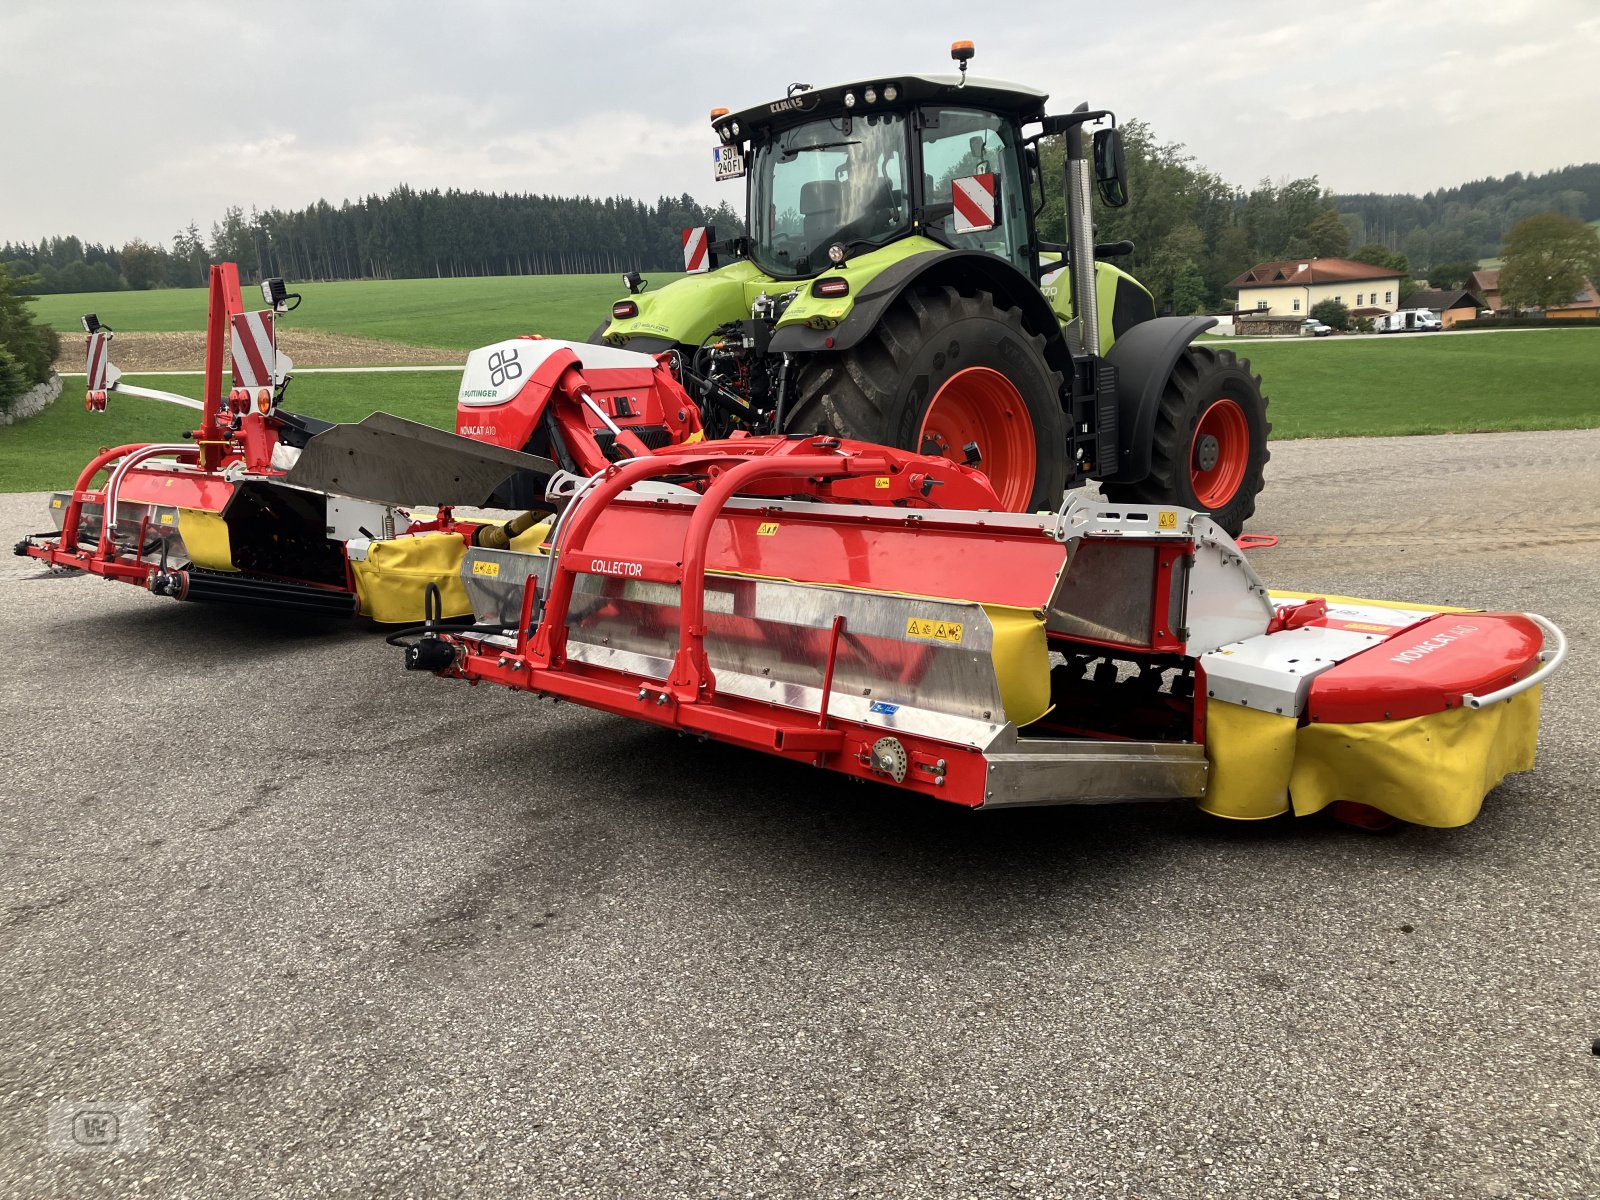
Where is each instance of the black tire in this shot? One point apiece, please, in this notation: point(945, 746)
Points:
point(1202, 379)
point(881, 389)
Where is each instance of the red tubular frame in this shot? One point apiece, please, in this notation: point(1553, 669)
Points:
point(225, 303)
point(103, 560)
point(691, 673)
point(688, 700)
point(213, 447)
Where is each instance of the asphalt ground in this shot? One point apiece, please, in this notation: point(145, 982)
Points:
point(354, 932)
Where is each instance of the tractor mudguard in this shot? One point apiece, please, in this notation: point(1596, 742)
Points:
point(961, 268)
point(1144, 357)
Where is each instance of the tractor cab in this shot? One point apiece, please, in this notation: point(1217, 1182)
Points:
point(839, 171)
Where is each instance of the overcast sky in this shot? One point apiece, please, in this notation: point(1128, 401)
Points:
point(129, 119)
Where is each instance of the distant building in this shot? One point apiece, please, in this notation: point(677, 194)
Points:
point(1486, 286)
point(1294, 287)
point(1585, 304)
point(1448, 306)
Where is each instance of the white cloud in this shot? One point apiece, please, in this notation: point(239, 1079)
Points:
point(142, 115)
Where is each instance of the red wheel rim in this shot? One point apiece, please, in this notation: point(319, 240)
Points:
point(1219, 454)
point(981, 405)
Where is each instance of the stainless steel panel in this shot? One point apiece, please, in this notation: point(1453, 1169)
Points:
point(777, 633)
point(863, 710)
point(1033, 771)
point(159, 524)
point(495, 580)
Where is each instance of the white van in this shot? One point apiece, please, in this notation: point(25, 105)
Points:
point(1408, 320)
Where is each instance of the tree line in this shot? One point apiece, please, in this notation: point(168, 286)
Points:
point(406, 234)
point(1472, 221)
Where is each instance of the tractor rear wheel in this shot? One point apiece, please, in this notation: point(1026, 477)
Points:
point(940, 371)
point(1210, 444)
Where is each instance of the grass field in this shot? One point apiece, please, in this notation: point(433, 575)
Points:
point(453, 314)
point(1449, 383)
point(1443, 383)
point(48, 451)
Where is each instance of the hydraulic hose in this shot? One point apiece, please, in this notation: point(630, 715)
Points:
point(431, 652)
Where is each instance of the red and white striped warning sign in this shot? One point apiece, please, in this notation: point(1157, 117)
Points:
point(99, 358)
point(255, 349)
point(696, 250)
point(974, 202)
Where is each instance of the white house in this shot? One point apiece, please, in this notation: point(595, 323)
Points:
point(1294, 287)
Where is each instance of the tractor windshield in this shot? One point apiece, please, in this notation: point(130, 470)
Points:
point(837, 179)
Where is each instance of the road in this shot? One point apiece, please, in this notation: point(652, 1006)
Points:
point(352, 932)
point(1354, 340)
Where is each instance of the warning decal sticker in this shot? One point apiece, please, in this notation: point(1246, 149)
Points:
point(931, 630)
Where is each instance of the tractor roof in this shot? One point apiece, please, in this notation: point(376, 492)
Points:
point(1013, 99)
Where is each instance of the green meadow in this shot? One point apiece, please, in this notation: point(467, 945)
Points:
point(451, 314)
point(1442, 383)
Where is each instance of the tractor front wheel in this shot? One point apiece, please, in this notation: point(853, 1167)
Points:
point(943, 371)
point(1209, 451)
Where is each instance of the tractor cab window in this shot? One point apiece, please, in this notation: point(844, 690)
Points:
point(836, 179)
point(957, 144)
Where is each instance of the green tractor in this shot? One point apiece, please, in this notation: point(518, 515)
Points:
point(893, 288)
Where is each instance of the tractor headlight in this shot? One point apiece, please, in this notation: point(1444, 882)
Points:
point(736, 129)
point(836, 253)
point(849, 99)
point(891, 93)
point(871, 95)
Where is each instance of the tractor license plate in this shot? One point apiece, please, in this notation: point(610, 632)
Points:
point(729, 163)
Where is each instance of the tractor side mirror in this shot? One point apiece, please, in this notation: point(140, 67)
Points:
point(1030, 155)
point(1110, 167)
